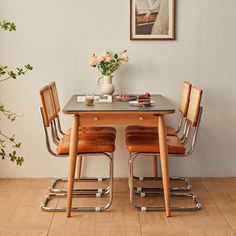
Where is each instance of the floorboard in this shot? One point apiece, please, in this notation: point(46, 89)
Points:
point(20, 212)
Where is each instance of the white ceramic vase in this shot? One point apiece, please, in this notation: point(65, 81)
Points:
point(106, 86)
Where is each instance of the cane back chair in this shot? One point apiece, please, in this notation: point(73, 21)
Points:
point(181, 131)
point(110, 131)
point(89, 144)
point(139, 145)
point(183, 109)
point(82, 130)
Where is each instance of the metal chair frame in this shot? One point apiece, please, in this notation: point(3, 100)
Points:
point(77, 192)
point(183, 124)
point(59, 125)
point(149, 192)
point(55, 138)
point(85, 193)
point(56, 129)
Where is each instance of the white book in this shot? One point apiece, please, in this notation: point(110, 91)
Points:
point(97, 98)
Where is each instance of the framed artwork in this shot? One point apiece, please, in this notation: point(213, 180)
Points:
point(152, 19)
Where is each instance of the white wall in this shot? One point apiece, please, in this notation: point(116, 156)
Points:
point(57, 37)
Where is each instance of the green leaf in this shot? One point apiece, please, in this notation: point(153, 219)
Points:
point(18, 145)
point(29, 67)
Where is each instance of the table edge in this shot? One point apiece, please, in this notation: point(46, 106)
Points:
point(117, 112)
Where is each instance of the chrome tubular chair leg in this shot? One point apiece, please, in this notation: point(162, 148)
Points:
point(59, 126)
point(131, 183)
point(111, 167)
point(187, 185)
point(85, 193)
point(129, 180)
point(133, 193)
point(51, 196)
point(53, 189)
point(56, 131)
point(194, 197)
point(181, 118)
point(45, 207)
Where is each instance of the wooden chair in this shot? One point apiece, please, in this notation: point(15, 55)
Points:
point(182, 131)
point(171, 131)
point(90, 144)
point(82, 131)
point(139, 145)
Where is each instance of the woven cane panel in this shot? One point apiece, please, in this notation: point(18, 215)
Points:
point(185, 98)
point(47, 105)
point(194, 105)
point(53, 88)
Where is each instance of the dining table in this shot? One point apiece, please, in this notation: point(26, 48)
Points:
point(119, 113)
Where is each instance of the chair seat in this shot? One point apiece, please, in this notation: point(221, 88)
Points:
point(96, 130)
point(88, 144)
point(142, 130)
point(148, 144)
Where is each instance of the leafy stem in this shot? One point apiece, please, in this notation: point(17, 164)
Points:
point(10, 26)
point(10, 74)
point(11, 139)
point(11, 155)
point(5, 75)
point(8, 114)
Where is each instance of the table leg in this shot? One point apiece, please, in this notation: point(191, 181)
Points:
point(164, 163)
point(72, 162)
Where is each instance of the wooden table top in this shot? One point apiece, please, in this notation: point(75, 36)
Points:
point(161, 106)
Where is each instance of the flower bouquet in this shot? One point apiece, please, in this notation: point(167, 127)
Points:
point(107, 64)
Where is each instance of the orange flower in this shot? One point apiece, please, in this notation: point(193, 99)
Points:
point(125, 58)
point(93, 60)
point(100, 58)
point(106, 57)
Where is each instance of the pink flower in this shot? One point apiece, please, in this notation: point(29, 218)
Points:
point(105, 54)
point(125, 58)
point(106, 57)
point(101, 58)
point(93, 60)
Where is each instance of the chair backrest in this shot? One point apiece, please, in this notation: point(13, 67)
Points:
point(184, 101)
point(49, 113)
point(55, 97)
point(194, 105)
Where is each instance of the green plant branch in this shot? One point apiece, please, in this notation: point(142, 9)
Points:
point(10, 26)
point(11, 74)
point(5, 75)
point(11, 155)
point(8, 114)
point(11, 139)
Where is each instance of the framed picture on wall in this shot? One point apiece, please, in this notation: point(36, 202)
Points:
point(152, 19)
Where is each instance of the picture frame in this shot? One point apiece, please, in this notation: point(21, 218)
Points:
point(152, 19)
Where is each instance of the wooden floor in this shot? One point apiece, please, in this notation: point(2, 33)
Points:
point(20, 213)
